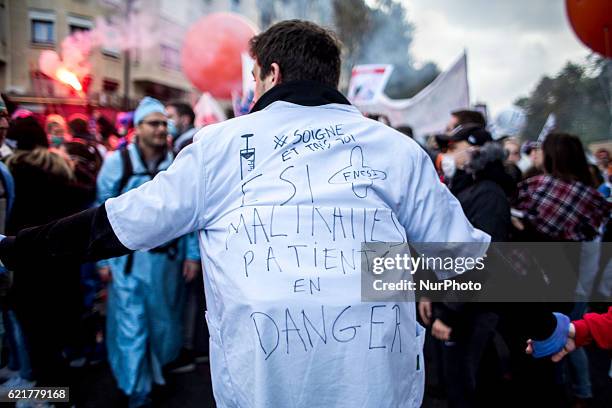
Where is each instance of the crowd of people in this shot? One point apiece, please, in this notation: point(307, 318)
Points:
point(143, 311)
point(550, 191)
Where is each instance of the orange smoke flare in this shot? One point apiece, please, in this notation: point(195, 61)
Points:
point(69, 78)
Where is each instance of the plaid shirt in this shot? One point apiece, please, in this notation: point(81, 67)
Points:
point(563, 211)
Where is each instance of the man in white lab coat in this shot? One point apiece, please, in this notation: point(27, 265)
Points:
point(282, 199)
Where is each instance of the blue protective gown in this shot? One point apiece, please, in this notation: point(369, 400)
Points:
point(145, 306)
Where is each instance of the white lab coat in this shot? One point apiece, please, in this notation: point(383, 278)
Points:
point(281, 221)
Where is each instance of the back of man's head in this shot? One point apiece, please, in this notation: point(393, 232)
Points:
point(469, 116)
point(78, 127)
point(303, 51)
point(183, 109)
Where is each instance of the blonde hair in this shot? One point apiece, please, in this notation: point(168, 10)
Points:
point(513, 140)
point(47, 160)
point(54, 118)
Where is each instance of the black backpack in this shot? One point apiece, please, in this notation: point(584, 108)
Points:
point(128, 169)
point(170, 248)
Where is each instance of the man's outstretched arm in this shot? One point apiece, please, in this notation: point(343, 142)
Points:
point(85, 236)
point(158, 211)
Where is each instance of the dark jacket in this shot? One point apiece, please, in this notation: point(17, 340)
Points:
point(486, 206)
point(42, 195)
point(483, 190)
point(48, 306)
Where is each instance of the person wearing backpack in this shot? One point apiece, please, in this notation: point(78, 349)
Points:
point(146, 291)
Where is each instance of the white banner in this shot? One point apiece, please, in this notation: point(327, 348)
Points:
point(208, 111)
point(368, 82)
point(509, 122)
point(428, 111)
point(248, 82)
point(549, 126)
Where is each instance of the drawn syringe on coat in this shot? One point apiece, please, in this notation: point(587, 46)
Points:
point(247, 157)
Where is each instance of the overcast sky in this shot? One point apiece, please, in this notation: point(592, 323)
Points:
point(510, 43)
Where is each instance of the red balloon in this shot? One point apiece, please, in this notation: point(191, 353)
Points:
point(211, 54)
point(592, 23)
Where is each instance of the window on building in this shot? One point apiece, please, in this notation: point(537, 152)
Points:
point(110, 85)
point(178, 12)
point(42, 26)
point(77, 29)
point(79, 24)
point(109, 94)
point(2, 24)
point(43, 84)
point(111, 46)
point(170, 57)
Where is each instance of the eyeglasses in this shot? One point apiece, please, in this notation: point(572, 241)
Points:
point(156, 123)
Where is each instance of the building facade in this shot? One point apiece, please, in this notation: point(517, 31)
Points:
point(136, 42)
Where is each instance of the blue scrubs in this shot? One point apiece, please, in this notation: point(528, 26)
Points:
point(146, 295)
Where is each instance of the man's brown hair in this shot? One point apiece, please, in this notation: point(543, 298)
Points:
point(469, 116)
point(303, 51)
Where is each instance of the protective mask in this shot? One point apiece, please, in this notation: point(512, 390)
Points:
point(525, 163)
point(56, 141)
point(449, 168)
point(173, 129)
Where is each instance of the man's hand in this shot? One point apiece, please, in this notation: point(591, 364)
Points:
point(105, 274)
point(463, 157)
point(425, 310)
point(440, 330)
point(518, 224)
point(570, 345)
point(191, 269)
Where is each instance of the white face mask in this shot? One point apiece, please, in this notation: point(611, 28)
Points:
point(448, 165)
point(525, 163)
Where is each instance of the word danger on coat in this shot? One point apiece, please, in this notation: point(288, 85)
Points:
point(426, 285)
point(291, 331)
